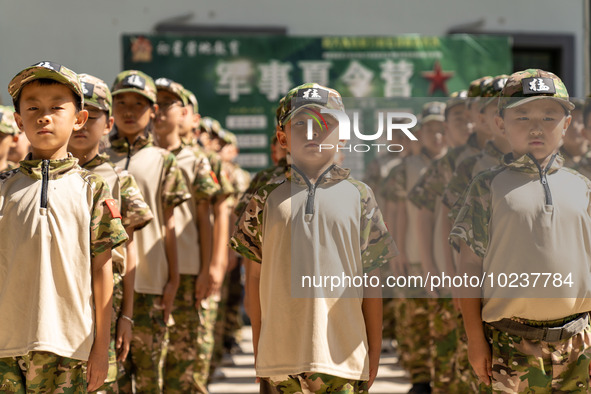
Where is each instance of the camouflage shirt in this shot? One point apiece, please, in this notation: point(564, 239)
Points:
point(432, 183)
point(240, 180)
point(259, 180)
point(400, 180)
point(489, 157)
point(134, 210)
point(202, 180)
point(221, 172)
point(377, 246)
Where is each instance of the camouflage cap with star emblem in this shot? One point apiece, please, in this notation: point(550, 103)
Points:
point(46, 70)
point(191, 100)
point(434, 110)
point(7, 123)
point(136, 82)
point(533, 84)
point(96, 93)
point(308, 95)
point(173, 87)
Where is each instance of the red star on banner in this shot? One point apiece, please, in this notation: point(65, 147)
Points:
point(437, 78)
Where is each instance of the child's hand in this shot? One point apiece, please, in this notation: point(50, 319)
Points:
point(201, 286)
point(168, 299)
point(97, 367)
point(123, 340)
point(480, 359)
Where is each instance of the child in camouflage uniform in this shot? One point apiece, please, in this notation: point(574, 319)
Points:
point(528, 215)
point(313, 344)
point(574, 144)
point(59, 224)
point(135, 214)
point(193, 230)
point(163, 187)
point(8, 131)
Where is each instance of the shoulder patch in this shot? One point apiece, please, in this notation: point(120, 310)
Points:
point(112, 205)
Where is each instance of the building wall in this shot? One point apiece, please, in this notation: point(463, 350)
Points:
point(86, 35)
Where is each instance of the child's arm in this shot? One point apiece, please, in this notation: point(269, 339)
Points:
point(372, 314)
point(205, 240)
point(254, 304)
point(400, 237)
point(426, 226)
point(102, 288)
point(479, 352)
point(173, 270)
point(124, 325)
point(221, 234)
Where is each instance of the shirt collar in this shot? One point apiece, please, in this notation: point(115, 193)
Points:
point(121, 144)
point(491, 150)
point(333, 174)
point(530, 165)
point(96, 161)
point(57, 168)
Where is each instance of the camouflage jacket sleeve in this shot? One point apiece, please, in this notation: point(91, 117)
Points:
point(459, 181)
point(135, 211)
point(205, 185)
point(221, 173)
point(377, 245)
point(428, 188)
point(257, 181)
point(174, 187)
point(472, 223)
point(395, 187)
point(106, 231)
point(248, 236)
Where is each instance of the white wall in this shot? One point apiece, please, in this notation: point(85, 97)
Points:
point(85, 35)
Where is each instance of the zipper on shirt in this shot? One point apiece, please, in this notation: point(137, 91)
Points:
point(543, 178)
point(44, 182)
point(312, 188)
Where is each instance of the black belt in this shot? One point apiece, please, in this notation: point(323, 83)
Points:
point(546, 334)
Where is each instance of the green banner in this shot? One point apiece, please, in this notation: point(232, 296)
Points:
point(239, 80)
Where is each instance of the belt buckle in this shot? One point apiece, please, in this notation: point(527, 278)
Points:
point(552, 334)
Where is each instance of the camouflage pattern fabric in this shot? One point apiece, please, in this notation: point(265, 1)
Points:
point(135, 81)
point(46, 70)
point(395, 185)
point(533, 366)
point(8, 124)
point(389, 319)
point(205, 338)
point(465, 380)
point(96, 93)
point(173, 87)
point(205, 184)
point(471, 225)
point(111, 385)
point(144, 361)
point(42, 372)
point(308, 94)
point(220, 170)
point(260, 179)
point(443, 341)
point(514, 93)
point(240, 180)
point(106, 232)
point(418, 360)
point(180, 373)
point(121, 144)
point(310, 382)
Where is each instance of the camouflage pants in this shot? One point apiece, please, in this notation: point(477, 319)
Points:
point(443, 340)
point(525, 366)
point(465, 380)
point(111, 385)
point(415, 338)
point(42, 372)
point(181, 360)
point(312, 383)
point(144, 362)
point(389, 322)
point(400, 329)
point(205, 337)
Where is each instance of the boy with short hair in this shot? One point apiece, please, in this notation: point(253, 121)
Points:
point(135, 214)
point(59, 224)
point(163, 187)
point(8, 133)
point(528, 215)
point(574, 144)
point(193, 231)
point(313, 344)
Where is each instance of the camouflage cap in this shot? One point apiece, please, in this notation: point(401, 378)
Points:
point(209, 125)
point(492, 89)
point(434, 110)
point(135, 81)
point(96, 93)
point(7, 123)
point(308, 95)
point(173, 87)
point(192, 100)
point(475, 86)
point(228, 137)
point(457, 98)
point(46, 70)
point(533, 84)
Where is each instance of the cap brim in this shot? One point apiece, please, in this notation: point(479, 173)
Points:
point(133, 90)
point(430, 118)
point(314, 107)
point(46, 73)
point(565, 103)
